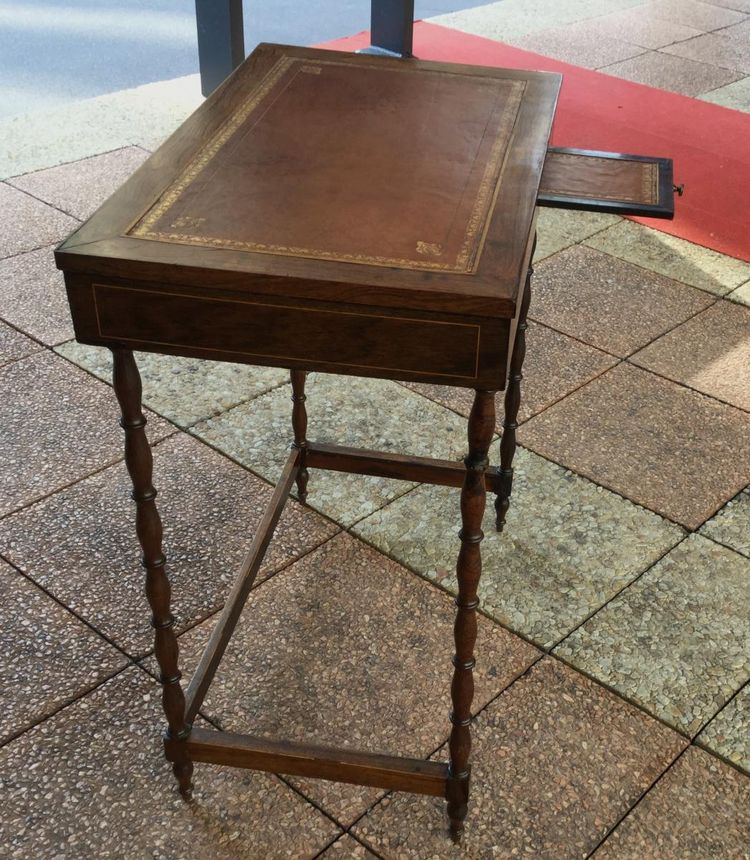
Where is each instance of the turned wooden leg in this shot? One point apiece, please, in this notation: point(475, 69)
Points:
point(468, 571)
point(512, 403)
point(127, 383)
point(299, 426)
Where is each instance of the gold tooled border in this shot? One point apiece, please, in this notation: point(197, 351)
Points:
point(469, 252)
point(649, 180)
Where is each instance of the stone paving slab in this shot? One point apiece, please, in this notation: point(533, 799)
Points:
point(693, 13)
point(741, 295)
point(710, 353)
point(676, 258)
point(555, 365)
point(699, 810)
point(47, 656)
point(347, 648)
point(184, 390)
point(32, 296)
point(720, 49)
point(14, 345)
point(677, 641)
point(572, 43)
point(609, 303)
point(346, 410)
point(81, 187)
point(557, 760)
point(728, 734)
point(28, 223)
point(92, 780)
point(59, 425)
point(731, 526)
point(567, 548)
point(558, 229)
point(80, 544)
point(347, 848)
point(635, 28)
point(671, 449)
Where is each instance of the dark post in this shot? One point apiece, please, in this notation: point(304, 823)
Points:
point(391, 27)
point(221, 42)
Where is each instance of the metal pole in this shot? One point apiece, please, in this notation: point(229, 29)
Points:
point(221, 42)
point(391, 27)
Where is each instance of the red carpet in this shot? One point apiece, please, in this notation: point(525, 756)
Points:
point(710, 145)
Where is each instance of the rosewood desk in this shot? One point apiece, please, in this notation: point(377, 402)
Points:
point(351, 215)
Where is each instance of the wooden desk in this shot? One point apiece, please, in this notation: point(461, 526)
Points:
point(353, 215)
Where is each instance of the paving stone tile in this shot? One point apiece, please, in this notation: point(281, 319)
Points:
point(93, 779)
point(80, 544)
point(80, 187)
point(14, 345)
point(347, 410)
point(728, 734)
point(710, 352)
point(32, 296)
point(718, 49)
point(347, 648)
point(692, 13)
point(555, 365)
point(677, 259)
point(666, 447)
point(567, 548)
point(739, 31)
point(347, 848)
point(609, 303)
point(676, 74)
point(700, 809)
point(735, 95)
point(577, 44)
point(731, 526)
point(185, 390)
point(632, 26)
point(737, 5)
point(556, 761)
point(677, 641)
point(741, 295)
point(59, 425)
point(28, 223)
point(47, 656)
point(560, 228)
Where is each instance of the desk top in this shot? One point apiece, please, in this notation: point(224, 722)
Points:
point(331, 176)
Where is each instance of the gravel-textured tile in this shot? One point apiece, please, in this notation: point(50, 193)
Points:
point(92, 782)
point(710, 353)
point(557, 760)
point(677, 641)
point(671, 449)
point(677, 259)
point(32, 296)
point(731, 526)
point(741, 295)
point(348, 648)
point(80, 544)
point(346, 410)
point(632, 26)
point(693, 13)
point(185, 390)
point(609, 303)
point(575, 43)
point(735, 95)
point(699, 810)
point(568, 546)
point(555, 365)
point(675, 74)
point(14, 345)
point(80, 187)
point(719, 49)
point(28, 223)
point(558, 229)
point(58, 425)
point(347, 848)
point(736, 5)
point(728, 734)
point(47, 656)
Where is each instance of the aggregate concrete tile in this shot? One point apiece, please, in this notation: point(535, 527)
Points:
point(554, 366)
point(676, 258)
point(737, 5)
point(347, 848)
point(731, 526)
point(80, 544)
point(29, 223)
point(718, 49)
point(14, 345)
point(47, 656)
point(560, 228)
point(728, 734)
point(700, 810)
point(568, 546)
point(735, 95)
point(677, 641)
point(347, 648)
point(59, 425)
point(609, 303)
point(557, 760)
point(346, 410)
point(80, 187)
point(577, 44)
point(630, 25)
point(184, 390)
point(692, 13)
point(710, 352)
point(93, 779)
point(671, 449)
point(32, 296)
point(676, 74)
point(741, 295)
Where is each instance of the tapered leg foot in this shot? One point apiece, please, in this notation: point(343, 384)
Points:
point(299, 426)
point(183, 772)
